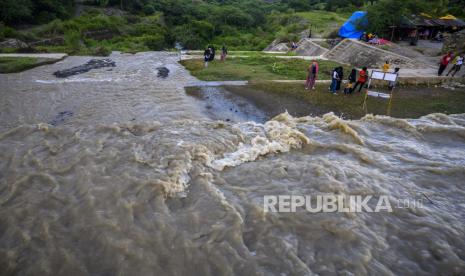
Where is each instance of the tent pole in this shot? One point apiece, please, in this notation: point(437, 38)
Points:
point(388, 111)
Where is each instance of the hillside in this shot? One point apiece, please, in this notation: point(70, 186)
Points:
point(96, 31)
point(97, 27)
point(323, 23)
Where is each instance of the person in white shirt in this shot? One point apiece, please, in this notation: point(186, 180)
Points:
point(335, 79)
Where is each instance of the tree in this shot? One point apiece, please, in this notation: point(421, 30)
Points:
point(231, 15)
point(37, 11)
point(15, 11)
point(300, 5)
point(386, 13)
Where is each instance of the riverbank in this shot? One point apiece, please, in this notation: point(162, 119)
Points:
point(277, 67)
point(271, 99)
point(15, 63)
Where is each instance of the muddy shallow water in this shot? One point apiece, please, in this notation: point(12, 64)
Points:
point(133, 90)
point(239, 103)
point(135, 179)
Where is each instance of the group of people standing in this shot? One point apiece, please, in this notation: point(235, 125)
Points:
point(336, 79)
point(337, 76)
point(456, 61)
point(354, 80)
point(209, 54)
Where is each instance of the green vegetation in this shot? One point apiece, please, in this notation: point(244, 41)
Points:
point(406, 103)
point(258, 68)
point(385, 13)
point(34, 11)
point(16, 64)
point(142, 25)
point(323, 22)
point(98, 34)
point(248, 53)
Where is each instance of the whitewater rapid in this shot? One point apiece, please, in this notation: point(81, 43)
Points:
point(135, 180)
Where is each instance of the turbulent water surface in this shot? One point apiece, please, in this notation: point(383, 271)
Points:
point(121, 173)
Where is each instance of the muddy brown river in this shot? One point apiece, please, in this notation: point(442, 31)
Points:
point(118, 171)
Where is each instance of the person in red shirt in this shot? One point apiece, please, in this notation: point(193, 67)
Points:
point(362, 79)
point(444, 62)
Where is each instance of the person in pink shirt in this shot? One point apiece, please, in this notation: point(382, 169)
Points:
point(312, 73)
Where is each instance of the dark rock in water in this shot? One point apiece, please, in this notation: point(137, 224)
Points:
point(60, 118)
point(163, 72)
point(91, 64)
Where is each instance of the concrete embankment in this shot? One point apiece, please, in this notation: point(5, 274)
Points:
point(360, 54)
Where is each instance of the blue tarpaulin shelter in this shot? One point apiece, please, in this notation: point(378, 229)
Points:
point(355, 25)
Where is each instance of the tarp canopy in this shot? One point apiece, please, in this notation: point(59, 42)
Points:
point(355, 25)
point(414, 22)
point(448, 17)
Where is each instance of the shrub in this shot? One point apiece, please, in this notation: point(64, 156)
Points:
point(188, 38)
point(13, 11)
point(284, 36)
point(7, 32)
point(53, 28)
point(73, 40)
point(102, 3)
point(154, 42)
point(203, 29)
point(70, 26)
point(148, 9)
point(333, 34)
point(100, 51)
point(292, 28)
point(44, 17)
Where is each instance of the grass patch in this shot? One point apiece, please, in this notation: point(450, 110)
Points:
point(323, 43)
point(259, 54)
point(16, 64)
point(406, 103)
point(324, 22)
point(258, 68)
point(246, 53)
